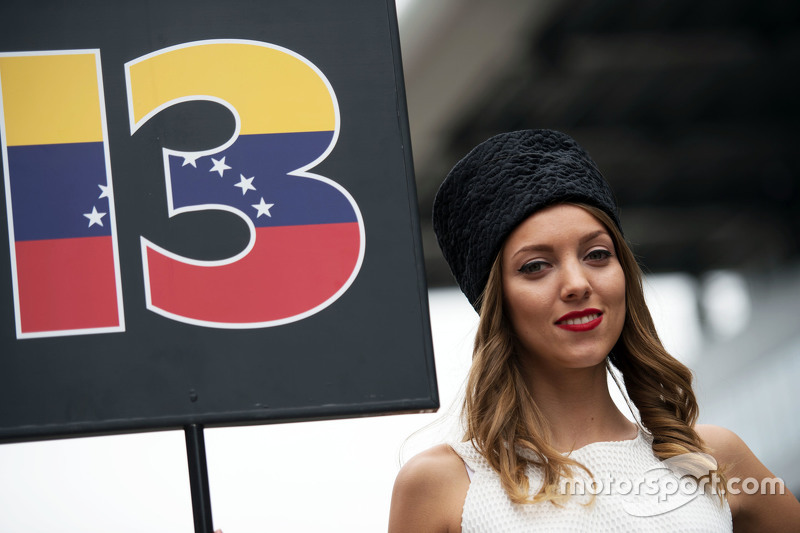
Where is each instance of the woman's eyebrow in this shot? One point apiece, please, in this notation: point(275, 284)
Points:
point(547, 248)
point(593, 235)
point(534, 248)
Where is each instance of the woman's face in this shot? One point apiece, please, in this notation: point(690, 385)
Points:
point(563, 288)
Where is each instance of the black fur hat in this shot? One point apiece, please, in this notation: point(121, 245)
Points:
point(499, 184)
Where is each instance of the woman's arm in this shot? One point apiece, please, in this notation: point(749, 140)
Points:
point(760, 511)
point(429, 493)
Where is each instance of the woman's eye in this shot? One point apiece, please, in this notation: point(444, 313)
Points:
point(533, 267)
point(598, 255)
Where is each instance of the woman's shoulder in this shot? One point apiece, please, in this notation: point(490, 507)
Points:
point(718, 436)
point(441, 455)
point(759, 501)
point(429, 492)
point(433, 470)
point(729, 450)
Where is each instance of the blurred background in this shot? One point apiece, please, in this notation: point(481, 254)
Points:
point(689, 107)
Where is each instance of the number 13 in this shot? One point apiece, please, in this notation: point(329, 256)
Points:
point(306, 240)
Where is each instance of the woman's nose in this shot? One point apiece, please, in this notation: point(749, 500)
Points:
point(575, 284)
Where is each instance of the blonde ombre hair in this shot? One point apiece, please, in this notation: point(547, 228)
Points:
point(501, 418)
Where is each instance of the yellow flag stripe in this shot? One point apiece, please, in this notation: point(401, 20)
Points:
point(272, 90)
point(51, 98)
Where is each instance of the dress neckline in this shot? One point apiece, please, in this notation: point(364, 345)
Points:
point(609, 443)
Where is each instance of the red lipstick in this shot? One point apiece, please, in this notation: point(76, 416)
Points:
point(584, 320)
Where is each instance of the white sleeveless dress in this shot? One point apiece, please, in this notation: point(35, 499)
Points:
point(634, 492)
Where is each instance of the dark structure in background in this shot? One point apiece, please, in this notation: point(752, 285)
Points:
point(690, 108)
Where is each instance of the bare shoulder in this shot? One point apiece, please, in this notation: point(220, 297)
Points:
point(759, 500)
point(438, 462)
point(731, 452)
point(726, 446)
point(429, 492)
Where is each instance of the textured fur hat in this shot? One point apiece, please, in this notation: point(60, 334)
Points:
point(499, 184)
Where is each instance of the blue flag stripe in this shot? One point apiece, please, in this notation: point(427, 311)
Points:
point(54, 186)
point(255, 167)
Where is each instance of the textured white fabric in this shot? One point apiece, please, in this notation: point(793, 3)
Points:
point(628, 498)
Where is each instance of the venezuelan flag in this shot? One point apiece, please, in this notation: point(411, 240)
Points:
point(58, 194)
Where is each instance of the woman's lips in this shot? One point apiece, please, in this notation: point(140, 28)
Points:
point(585, 320)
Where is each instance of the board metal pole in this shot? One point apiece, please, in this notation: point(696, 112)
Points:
point(198, 478)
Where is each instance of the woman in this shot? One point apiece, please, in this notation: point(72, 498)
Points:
point(530, 230)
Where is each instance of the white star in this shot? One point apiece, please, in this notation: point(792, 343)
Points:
point(94, 217)
point(219, 166)
point(245, 183)
point(190, 160)
point(263, 208)
point(105, 191)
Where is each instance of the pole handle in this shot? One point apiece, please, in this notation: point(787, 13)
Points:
point(198, 478)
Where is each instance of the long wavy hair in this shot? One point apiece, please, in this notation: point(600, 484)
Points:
point(502, 419)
